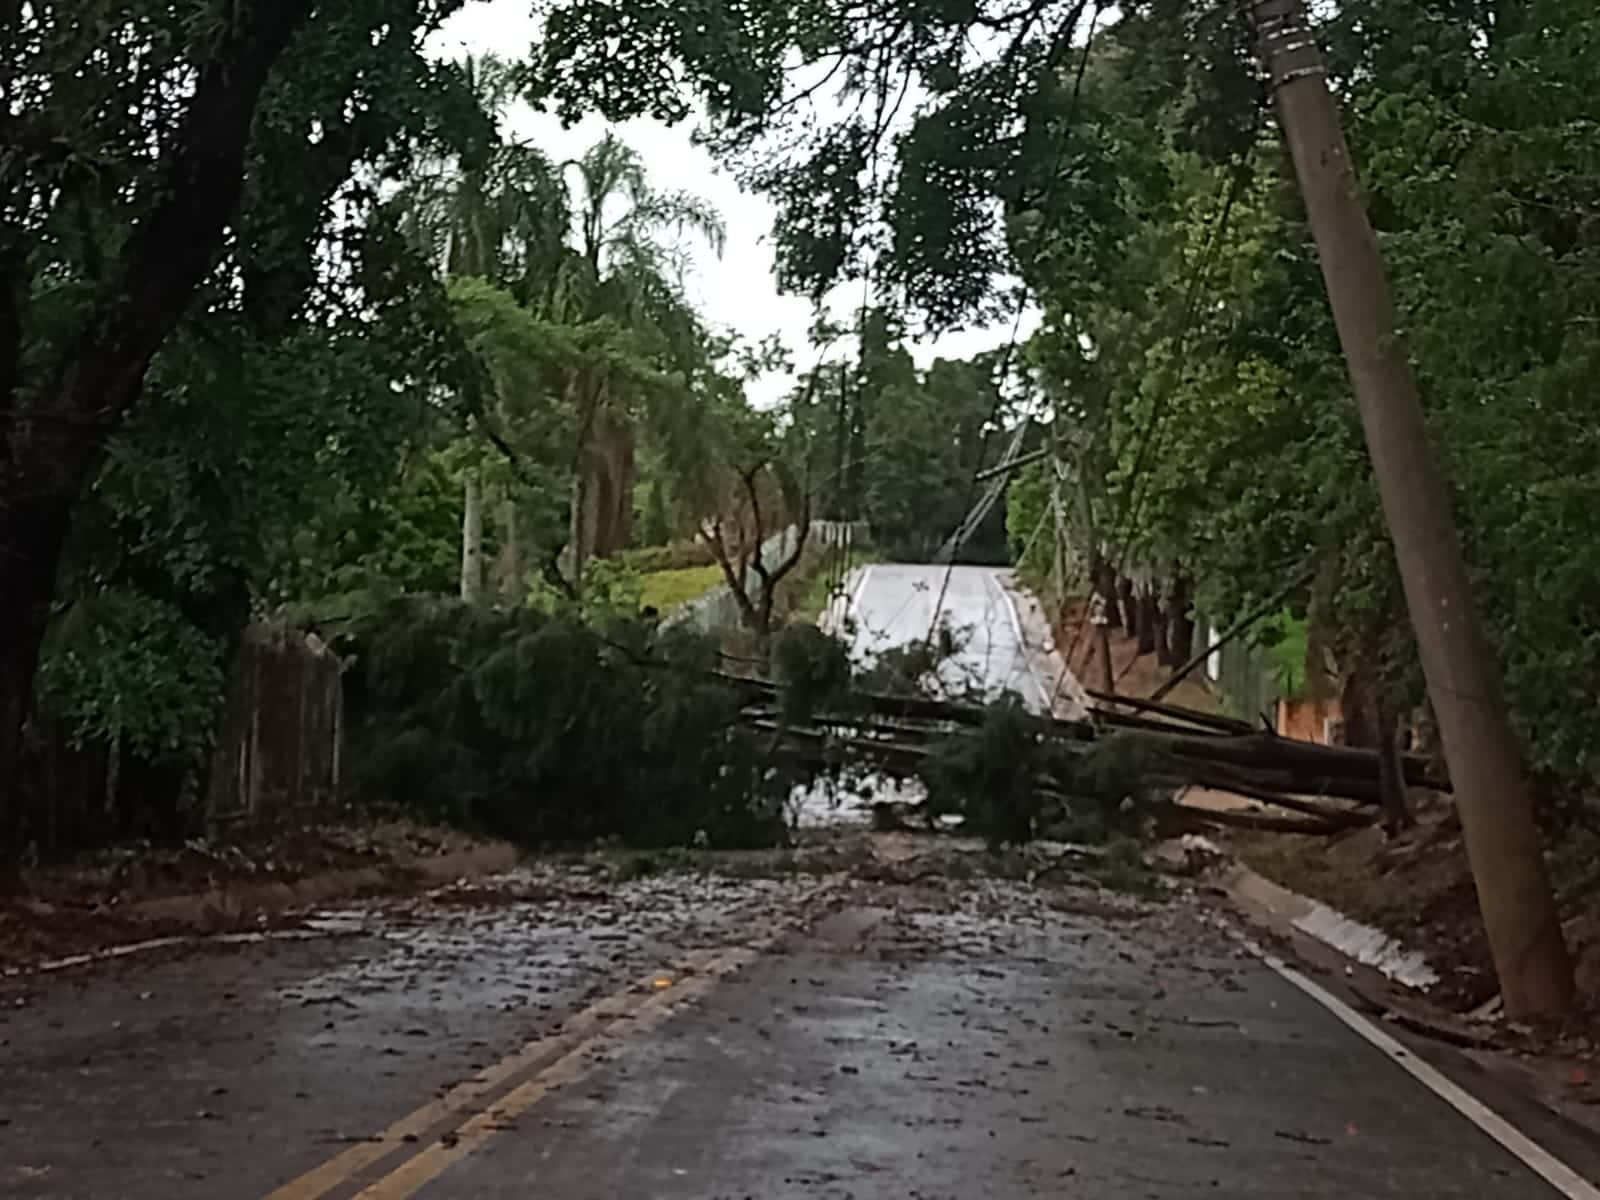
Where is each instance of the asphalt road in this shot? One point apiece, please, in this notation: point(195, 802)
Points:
point(954, 1037)
point(894, 1021)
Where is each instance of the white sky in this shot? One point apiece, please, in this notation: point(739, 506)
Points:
point(737, 291)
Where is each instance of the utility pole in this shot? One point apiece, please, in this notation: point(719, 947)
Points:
point(1464, 683)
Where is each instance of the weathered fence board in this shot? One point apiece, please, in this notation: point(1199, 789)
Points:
point(278, 757)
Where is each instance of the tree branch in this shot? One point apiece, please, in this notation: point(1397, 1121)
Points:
point(711, 531)
point(171, 250)
point(748, 478)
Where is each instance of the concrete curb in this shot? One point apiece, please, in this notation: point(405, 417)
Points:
point(1278, 913)
point(230, 903)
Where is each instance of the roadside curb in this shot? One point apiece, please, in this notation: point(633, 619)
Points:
point(231, 902)
point(218, 913)
point(1266, 910)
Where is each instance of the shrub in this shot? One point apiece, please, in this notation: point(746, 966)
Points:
point(541, 729)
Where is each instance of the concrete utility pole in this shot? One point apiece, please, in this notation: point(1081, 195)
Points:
point(1464, 683)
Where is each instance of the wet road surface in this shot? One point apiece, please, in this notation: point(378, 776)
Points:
point(952, 1037)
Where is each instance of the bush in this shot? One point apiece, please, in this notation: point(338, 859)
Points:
point(992, 777)
point(676, 556)
point(540, 729)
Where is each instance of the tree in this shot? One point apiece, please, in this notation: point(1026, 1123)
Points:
point(122, 195)
point(500, 217)
point(630, 263)
point(740, 476)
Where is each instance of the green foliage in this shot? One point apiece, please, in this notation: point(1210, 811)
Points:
point(674, 556)
point(812, 669)
point(1030, 525)
point(544, 729)
point(991, 775)
point(666, 590)
point(897, 447)
point(128, 670)
point(1286, 642)
point(1012, 784)
point(655, 527)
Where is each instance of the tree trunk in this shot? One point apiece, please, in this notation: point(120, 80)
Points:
point(1391, 771)
point(32, 534)
point(1129, 603)
point(1358, 706)
point(1163, 631)
point(578, 529)
point(511, 567)
point(49, 450)
point(608, 474)
point(1107, 674)
point(1105, 577)
point(1464, 681)
point(472, 541)
point(620, 466)
point(1180, 622)
point(1148, 619)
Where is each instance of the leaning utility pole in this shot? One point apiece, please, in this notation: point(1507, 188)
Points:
point(1464, 684)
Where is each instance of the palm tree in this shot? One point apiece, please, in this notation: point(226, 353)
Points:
point(631, 259)
point(500, 216)
point(590, 246)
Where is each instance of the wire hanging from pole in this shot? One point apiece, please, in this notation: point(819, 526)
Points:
point(968, 526)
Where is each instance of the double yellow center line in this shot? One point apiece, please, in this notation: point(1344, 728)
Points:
point(423, 1144)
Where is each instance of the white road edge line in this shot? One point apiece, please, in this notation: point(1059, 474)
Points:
point(1533, 1156)
point(861, 586)
point(1011, 607)
point(1046, 693)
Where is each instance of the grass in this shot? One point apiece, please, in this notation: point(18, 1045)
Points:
point(1387, 885)
point(816, 596)
point(664, 590)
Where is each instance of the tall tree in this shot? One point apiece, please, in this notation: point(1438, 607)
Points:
point(501, 217)
point(632, 262)
point(150, 148)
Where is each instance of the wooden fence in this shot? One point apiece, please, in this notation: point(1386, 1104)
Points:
point(278, 754)
point(277, 758)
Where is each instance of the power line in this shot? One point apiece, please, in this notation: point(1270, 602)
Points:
point(1154, 425)
point(1004, 364)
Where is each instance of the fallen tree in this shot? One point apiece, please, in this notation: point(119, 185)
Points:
point(1159, 753)
point(547, 730)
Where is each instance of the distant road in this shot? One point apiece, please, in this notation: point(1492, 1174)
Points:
point(1005, 642)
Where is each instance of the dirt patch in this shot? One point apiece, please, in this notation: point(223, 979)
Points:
point(1135, 674)
point(139, 871)
point(137, 893)
point(1416, 888)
